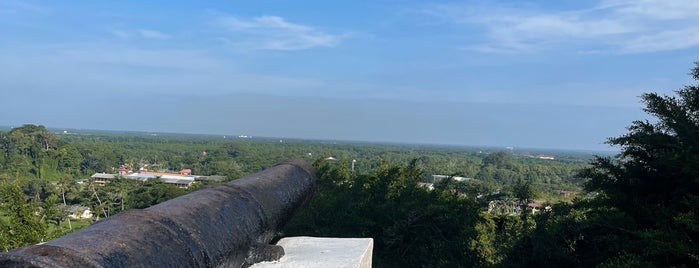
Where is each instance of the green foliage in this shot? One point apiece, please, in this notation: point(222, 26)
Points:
point(378, 199)
point(523, 192)
point(152, 192)
point(498, 159)
point(410, 225)
point(32, 151)
point(20, 222)
point(654, 183)
point(52, 213)
point(495, 236)
point(626, 261)
point(644, 206)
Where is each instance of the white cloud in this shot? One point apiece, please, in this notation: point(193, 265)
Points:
point(275, 33)
point(656, 9)
point(617, 26)
point(269, 22)
point(661, 41)
point(151, 34)
point(551, 26)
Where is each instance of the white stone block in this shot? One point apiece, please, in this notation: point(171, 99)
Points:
point(323, 252)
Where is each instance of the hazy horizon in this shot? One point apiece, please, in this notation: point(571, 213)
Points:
point(536, 74)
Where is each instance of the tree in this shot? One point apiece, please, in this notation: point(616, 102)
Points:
point(523, 192)
point(151, 192)
point(31, 151)
point(63, 186)
point(411, 226)
point(645, 210)
point(51, 212)
point(20, 224)
point(495, 236)
point(498, 159)
point(655, 181)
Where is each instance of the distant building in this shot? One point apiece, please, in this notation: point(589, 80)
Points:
point(179, 180)
point(565, 192)
point(436, 178)
point(429, 186)
point(457, 178)
point(102, 178)
point(183, 179)
point(124, 169)
point(541, 156)
point(209, 178)
point(79, 212)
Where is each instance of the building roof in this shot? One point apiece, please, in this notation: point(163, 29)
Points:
point(161, 173)
point(457, 178)
point(141, 176)
point(176, 181)
point(76, 208)
point(103, 176)
point(209, 178)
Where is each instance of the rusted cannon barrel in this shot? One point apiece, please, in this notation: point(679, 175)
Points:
point(222, 225)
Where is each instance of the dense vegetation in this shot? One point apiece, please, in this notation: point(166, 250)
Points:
point(636, 209)
point(645, 212)
point(40, 170)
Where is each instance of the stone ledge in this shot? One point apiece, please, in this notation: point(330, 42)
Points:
point(323, 252)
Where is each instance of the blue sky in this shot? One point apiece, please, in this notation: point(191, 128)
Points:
point(548, 74)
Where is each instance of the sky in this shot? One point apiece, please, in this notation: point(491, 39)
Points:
point(564, 74)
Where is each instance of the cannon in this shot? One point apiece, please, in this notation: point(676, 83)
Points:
point(223, 225)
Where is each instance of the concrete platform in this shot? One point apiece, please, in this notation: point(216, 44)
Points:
point(323, 252)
